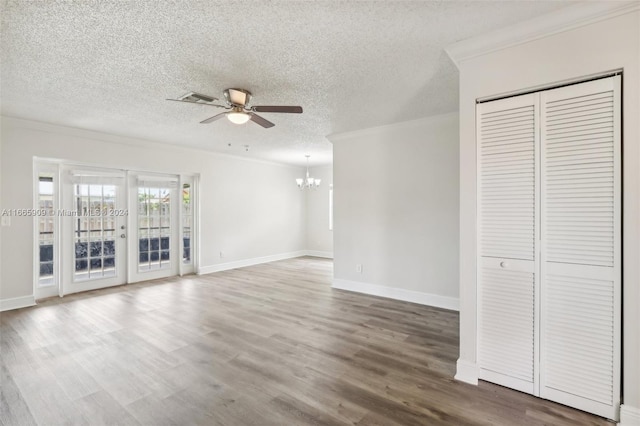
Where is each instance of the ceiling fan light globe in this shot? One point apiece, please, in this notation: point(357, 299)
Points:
point(238, 117)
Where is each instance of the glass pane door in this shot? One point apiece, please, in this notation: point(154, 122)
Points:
point(94, 230)
point(116, 227)
point(155, 239)
point(154, 228)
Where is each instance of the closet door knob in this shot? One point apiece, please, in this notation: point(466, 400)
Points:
point(503, 264)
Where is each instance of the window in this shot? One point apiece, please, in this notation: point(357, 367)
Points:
point(331, 207)
point(187, 218)
point(46, 229)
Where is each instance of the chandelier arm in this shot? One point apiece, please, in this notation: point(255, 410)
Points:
point(308, 181)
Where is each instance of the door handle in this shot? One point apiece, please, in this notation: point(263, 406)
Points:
point(122, 236)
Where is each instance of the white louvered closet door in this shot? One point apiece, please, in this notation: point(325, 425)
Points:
point(581, 241)
point(507, 140)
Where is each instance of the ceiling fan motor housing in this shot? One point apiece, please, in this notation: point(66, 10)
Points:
point(237, 97)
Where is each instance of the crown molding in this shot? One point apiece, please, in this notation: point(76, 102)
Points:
point(60, 129)
point(562, 20)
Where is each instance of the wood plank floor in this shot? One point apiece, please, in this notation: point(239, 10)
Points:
point(270, 344)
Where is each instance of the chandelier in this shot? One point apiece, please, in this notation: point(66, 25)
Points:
point(308, 181)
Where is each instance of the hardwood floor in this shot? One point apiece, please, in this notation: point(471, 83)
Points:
point(270, 344)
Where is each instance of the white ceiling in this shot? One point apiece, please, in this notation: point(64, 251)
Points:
point(109, 65)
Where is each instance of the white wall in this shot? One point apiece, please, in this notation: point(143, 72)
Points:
point(1, 207)
point(605, 45)
point(249, 209)
point(319, 237)
point(396, 210)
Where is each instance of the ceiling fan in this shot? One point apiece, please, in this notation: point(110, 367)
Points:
point(238, 104)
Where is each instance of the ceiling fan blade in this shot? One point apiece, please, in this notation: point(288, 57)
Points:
point(261, 121)
point(195, 97)
point(214, 118)
point(199, 103)
point(277, 108)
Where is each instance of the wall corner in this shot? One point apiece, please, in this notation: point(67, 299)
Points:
point(466, 371)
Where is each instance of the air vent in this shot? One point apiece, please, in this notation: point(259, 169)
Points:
point(197, 97)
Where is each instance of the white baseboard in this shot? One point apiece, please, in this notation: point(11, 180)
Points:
point(316, 253)
point(249, 262)
point(398, 294)
point(466, 372)
point(629, 416)
point(17, 303)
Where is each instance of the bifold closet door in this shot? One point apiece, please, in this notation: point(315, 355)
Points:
point(581, 244)
point(507, 133)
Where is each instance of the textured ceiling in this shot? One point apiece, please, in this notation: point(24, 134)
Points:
point(109, 65)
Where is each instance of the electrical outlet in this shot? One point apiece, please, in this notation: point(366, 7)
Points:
point(359, 268)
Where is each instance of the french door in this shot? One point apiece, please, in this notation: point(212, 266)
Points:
point(94, 229)
point(122, 227)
